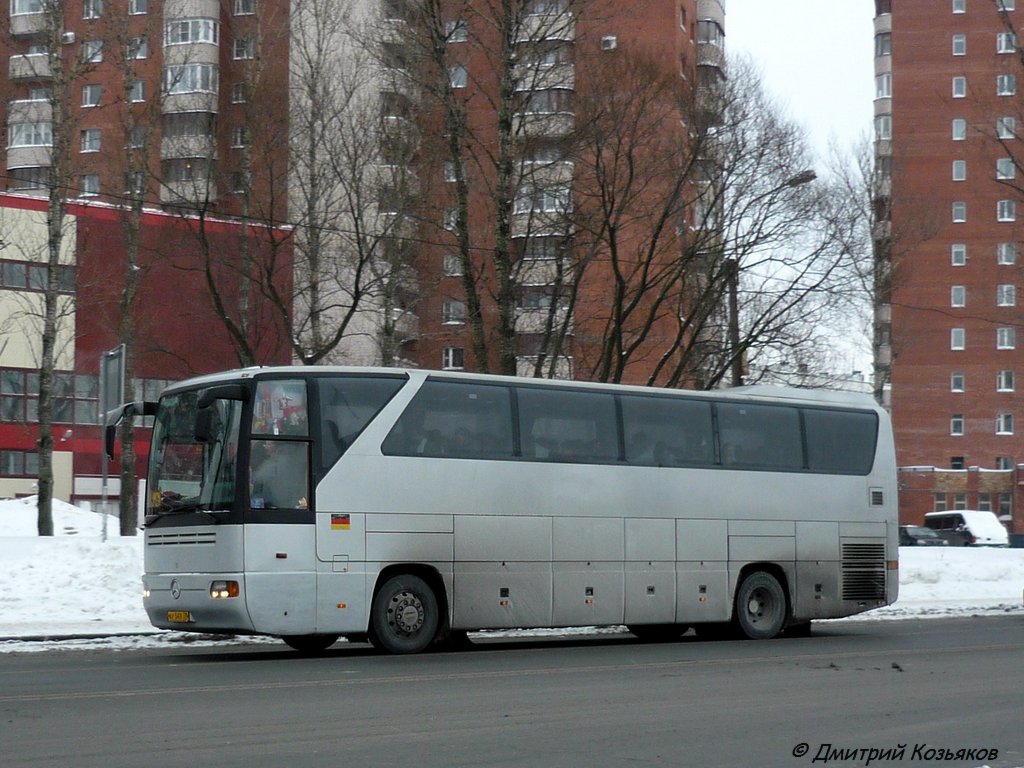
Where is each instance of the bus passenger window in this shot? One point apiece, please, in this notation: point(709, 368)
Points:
point(278, 475)
point(572, 426)
point(667, 432)
point(347, 405)
point(280, 408)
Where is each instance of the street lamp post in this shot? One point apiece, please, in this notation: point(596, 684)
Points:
point(732, 267)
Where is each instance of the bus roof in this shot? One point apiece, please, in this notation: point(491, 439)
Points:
point(836, 398)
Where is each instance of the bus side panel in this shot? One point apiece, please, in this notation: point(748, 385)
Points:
point(587, 577)
point(702, 578)
point(502, 572)
point(280, 580)
point(650, 571)
point(817, 570)
point(702, 590)
point(503, 594)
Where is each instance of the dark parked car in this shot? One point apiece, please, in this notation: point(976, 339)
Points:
point(918, 536)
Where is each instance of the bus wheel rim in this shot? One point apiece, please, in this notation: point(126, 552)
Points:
point(405, 613)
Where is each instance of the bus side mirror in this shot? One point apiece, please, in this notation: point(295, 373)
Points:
point(126, 411)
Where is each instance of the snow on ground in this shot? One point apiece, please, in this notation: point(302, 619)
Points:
point(74, 584)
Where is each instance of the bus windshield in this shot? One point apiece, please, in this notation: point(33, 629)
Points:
point(193, 463)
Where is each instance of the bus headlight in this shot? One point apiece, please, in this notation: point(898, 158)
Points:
point(223, 589)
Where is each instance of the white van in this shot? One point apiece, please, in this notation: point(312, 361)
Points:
point(968, 527)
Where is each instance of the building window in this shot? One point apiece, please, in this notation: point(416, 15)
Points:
point(1004, 462)
point(940, 502)
point(136, 137)
point(244, 48)
point(137, 91)
point(191, 78)
point(458, 77)
point(92, 9)
point(90, 140)
point(240, 182)
point(26, 6)
point(453, 265)
point(30, 177)
point(959, 87)
point(883, 44)
point(92, 51)
point(238, 93)
point(959, 45)
point(957, 380)
point(957, 296)
point(543, 200)
point(958, 254)
point(1006, 295)
point(449, 171)
point(31, 134)
point(1006, 210)
point(1006, 127)
point(960, 500)
point(453, 312)
point(239, 136)
point(985, 501)
point(959, 6)
point(1006, 42)
point(1006, 253)
point(883, 127)
point(456, 31)
point(91, 95)
point(956, 424)
point(1006, 85)
point(959, 212)
point(1006, 5)
point(1004, 424)
point(188, 31)
point(138, 48)
point(453, 358)
point(1005, 168)
point(90, 184)
point(1006, 338)
point(1005, 505)
point(19, 464)
point(245, 7)
point(956, 462)
point(138, 7)
point(451, 219)
point(957, 338)
point(1004, 381)
point(883, 86)
point(959, 129)
point(959, 170)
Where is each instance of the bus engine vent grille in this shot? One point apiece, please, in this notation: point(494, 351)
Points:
point(181, 539)
point(864, 572)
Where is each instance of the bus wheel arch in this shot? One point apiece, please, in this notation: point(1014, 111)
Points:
point(408, 611)
point(762, 603)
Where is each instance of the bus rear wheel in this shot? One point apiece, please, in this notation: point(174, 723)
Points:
point(310, 643)
point(404, 616)
point(761, 606)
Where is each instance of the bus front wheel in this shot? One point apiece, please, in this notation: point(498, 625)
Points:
point(404, 617)
point(761, 606)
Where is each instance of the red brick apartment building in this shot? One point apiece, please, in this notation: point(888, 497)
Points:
point(574, 46)
point(948, 131)
point(155, 102)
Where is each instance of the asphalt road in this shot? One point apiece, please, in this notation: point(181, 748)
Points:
point(949, 684)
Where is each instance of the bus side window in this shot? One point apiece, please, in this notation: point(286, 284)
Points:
point(278, 475)
point(347, 405)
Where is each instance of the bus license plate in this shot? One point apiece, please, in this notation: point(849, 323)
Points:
point(179, 617)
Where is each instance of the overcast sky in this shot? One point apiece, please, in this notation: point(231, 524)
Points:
point(816, 58)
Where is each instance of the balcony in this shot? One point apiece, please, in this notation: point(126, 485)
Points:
point(547, 26)
point(30, 66)
point(534, 320)
point(541, 124)
point(191, 9)
point(200, 101)
point(194, 192)
point(534, 77)
point(188, 146)
point(28, 23)
point(525, 365)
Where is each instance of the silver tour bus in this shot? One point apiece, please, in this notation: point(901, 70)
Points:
point(408, 507)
